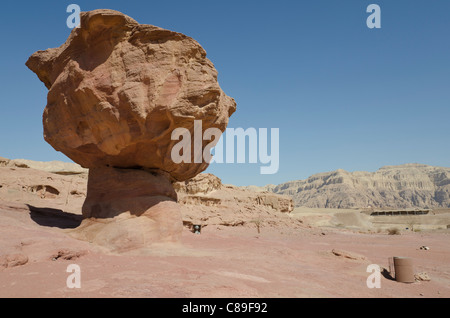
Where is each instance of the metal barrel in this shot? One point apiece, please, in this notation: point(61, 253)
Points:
point(404, 272)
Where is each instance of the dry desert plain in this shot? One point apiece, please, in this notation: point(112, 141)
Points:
point(291, 256)
point(117, 90)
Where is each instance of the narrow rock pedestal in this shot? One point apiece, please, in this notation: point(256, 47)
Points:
point(127, 209)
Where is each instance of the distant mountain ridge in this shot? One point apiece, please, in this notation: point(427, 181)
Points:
point(404, 186)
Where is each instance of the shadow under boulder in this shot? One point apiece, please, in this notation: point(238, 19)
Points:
point(54, 217)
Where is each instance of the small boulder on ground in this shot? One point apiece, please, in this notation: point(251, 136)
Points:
point(13, 260)
point(423, 276)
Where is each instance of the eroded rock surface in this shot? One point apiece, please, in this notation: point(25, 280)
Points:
point(404, 186)
point(117, 91)
point(206, 201)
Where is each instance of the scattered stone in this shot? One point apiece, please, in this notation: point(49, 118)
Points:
point(67, 255)
point(422, 277)
point(349, 255)
point(13, 260)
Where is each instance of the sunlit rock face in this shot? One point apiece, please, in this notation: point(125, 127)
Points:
point(117, 91)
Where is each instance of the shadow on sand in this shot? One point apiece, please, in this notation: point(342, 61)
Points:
point(386, 274)
point(54, 217)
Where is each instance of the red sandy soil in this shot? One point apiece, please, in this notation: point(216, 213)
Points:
point(225, 262)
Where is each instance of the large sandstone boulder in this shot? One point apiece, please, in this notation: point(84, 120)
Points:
point(117, 91)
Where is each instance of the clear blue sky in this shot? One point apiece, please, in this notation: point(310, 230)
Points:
point(343, 95)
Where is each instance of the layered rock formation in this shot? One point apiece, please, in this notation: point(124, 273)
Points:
point(56, 200)
point(405, 186)
point(206, 201)
point(58, 167)
point(117, 91)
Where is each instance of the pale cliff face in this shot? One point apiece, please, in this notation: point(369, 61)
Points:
point(405, 186)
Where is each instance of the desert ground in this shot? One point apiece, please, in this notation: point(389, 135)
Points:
point(252, 245)
point(117, 92)
point(221, 262)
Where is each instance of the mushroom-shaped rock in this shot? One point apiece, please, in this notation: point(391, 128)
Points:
point(117, 91)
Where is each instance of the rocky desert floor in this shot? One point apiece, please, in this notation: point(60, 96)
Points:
point(304, 253)
point(230, 262)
